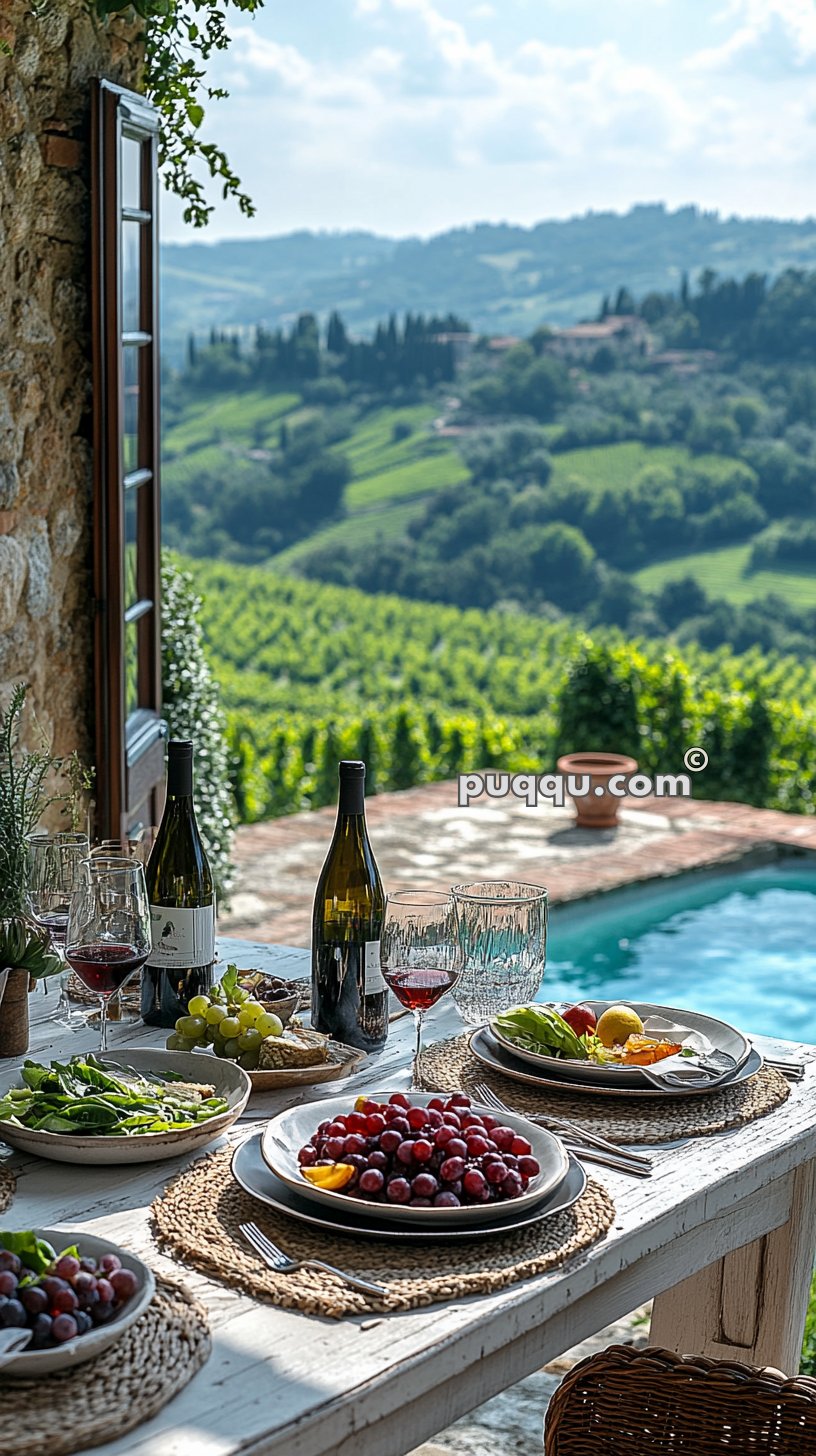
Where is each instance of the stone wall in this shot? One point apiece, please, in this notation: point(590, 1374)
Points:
point(47, 62)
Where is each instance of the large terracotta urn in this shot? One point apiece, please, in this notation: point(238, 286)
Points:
point(597, 809)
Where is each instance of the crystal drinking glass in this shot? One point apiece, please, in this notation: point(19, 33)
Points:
point(52, 874)
point(501, 928)
point(418, 954)
point(108, 936)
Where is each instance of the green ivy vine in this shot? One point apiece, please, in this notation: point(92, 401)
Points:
point(180, 37)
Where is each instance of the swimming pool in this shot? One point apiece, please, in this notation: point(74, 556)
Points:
point(740, 945)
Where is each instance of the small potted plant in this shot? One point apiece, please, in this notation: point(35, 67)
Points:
point(27, 780)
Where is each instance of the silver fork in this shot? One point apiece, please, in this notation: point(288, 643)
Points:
point(275, 1258)
point(488, 1097)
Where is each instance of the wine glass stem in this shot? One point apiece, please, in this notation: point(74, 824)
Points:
point(416, 1080)
point(103, 1023)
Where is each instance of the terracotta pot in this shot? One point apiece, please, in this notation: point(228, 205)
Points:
point(14, 1014)
point(597, 809)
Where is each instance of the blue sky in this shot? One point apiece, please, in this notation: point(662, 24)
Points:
point(412, 116)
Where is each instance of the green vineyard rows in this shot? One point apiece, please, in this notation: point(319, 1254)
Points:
point(311, 673)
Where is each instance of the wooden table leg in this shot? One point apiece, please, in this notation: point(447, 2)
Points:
point(750, 1305)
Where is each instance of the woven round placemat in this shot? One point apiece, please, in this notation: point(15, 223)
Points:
point(8, 1183)
point(450, 1066)
point(197, 1220)
point(128, 1383)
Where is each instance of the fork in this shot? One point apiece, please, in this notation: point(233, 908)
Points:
point(488, 1097)
point(276, 1259)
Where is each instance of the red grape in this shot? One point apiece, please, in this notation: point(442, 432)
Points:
point(124, 1284)
point(10, 1261)
point(109, 1263)
point(34, 1300)
point(528, 1167)
point(424, 1185)
point(390, 1140)
point(437, 1104)
point(477, 1147)
point(65, 1302)
point(41, 1331)
point(416, 1118)
point(503, 1137)
point(307, 1156)
point(378, 1159)
point(496, 1173)
point(401, 1124)
point(405, 1151)
point(459, 1099)
point(433, 1118)
point(457, 1148)
point(375, 1123)
point(521, 1147)
point(357, 1122)
point(53, 1286)
point(335, 1147)
point(67, 1267)
point(474, 1182)
point(512, 1185)
point(399, 1099)
point(353, 1144)
point(12, 1314)
point(398, 1190)
point(372, 1181)
point(419, 1203)
point(452, 1168)
point(88, 1264)
point(8, 1283)
point(423, 1150)
point(443, 1135)
point(446, 1200)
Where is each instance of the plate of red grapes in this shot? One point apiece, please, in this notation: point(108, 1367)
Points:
point(74, 1292)
point(417, 1157)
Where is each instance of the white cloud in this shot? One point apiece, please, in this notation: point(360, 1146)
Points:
point(795, 18)
point(367, 7)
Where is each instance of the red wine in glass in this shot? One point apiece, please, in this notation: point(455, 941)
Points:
point(104, 966)
point(419, 988)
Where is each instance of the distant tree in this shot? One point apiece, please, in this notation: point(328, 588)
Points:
point(680, 599)
point(336, 336)
point(624, 302)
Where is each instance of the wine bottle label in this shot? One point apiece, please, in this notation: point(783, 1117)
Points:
point(374, 980)
point(182, 938)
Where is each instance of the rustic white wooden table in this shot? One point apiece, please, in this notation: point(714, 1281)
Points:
point(723, 1235)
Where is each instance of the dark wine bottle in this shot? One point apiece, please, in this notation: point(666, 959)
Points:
point(182, 903)
point(349, 995)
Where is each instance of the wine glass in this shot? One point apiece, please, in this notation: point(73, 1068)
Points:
point(419, 955)
point(108, 936)
point(52, 874)
point(501, 927)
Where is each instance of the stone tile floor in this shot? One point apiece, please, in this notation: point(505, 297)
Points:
point(421, 836)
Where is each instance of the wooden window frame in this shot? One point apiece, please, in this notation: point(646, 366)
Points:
point(129, 746)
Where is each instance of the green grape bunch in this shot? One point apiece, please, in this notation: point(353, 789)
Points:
point(229, 1021)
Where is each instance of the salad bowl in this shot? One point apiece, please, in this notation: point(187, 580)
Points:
point(229, 1082)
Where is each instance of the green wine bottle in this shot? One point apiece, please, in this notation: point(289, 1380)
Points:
point(182, 902)
point(349, 995)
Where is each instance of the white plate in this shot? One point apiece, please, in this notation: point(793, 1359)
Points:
point(488, 1051)
point(30, 1364)
point(722, 1037)
point(357, 1219)
point(229, 1080)
point(285, 1134)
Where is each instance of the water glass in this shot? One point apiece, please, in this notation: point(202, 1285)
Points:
point(501, 927)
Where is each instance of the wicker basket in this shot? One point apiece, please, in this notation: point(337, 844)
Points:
point(626, 1402)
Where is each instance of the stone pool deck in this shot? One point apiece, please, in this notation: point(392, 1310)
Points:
point(422, 836)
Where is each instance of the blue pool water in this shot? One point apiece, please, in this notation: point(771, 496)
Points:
point(741, 946)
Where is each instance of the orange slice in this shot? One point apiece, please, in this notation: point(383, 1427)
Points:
point(644, 1051)
point(333, 1178)
point(360, 1102)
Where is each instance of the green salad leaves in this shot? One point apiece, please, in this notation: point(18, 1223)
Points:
point(540, 1029)
point(86, 1097)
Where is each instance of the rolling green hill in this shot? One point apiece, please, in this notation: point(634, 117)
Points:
point(725, 573)
point(503, 278)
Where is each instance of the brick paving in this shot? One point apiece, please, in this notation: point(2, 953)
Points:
point(422, 836)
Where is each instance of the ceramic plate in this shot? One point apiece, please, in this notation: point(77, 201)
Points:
point(253, 1175)
point(722, 1037)
point(229, 1080)
point(285, 1134)
point(492, 1054)
point(30, 1364)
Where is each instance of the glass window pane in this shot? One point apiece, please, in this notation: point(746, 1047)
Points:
point(130, 434)
point(131, 667)
point(131, 279)
point(131, 547)
point(131, 172)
